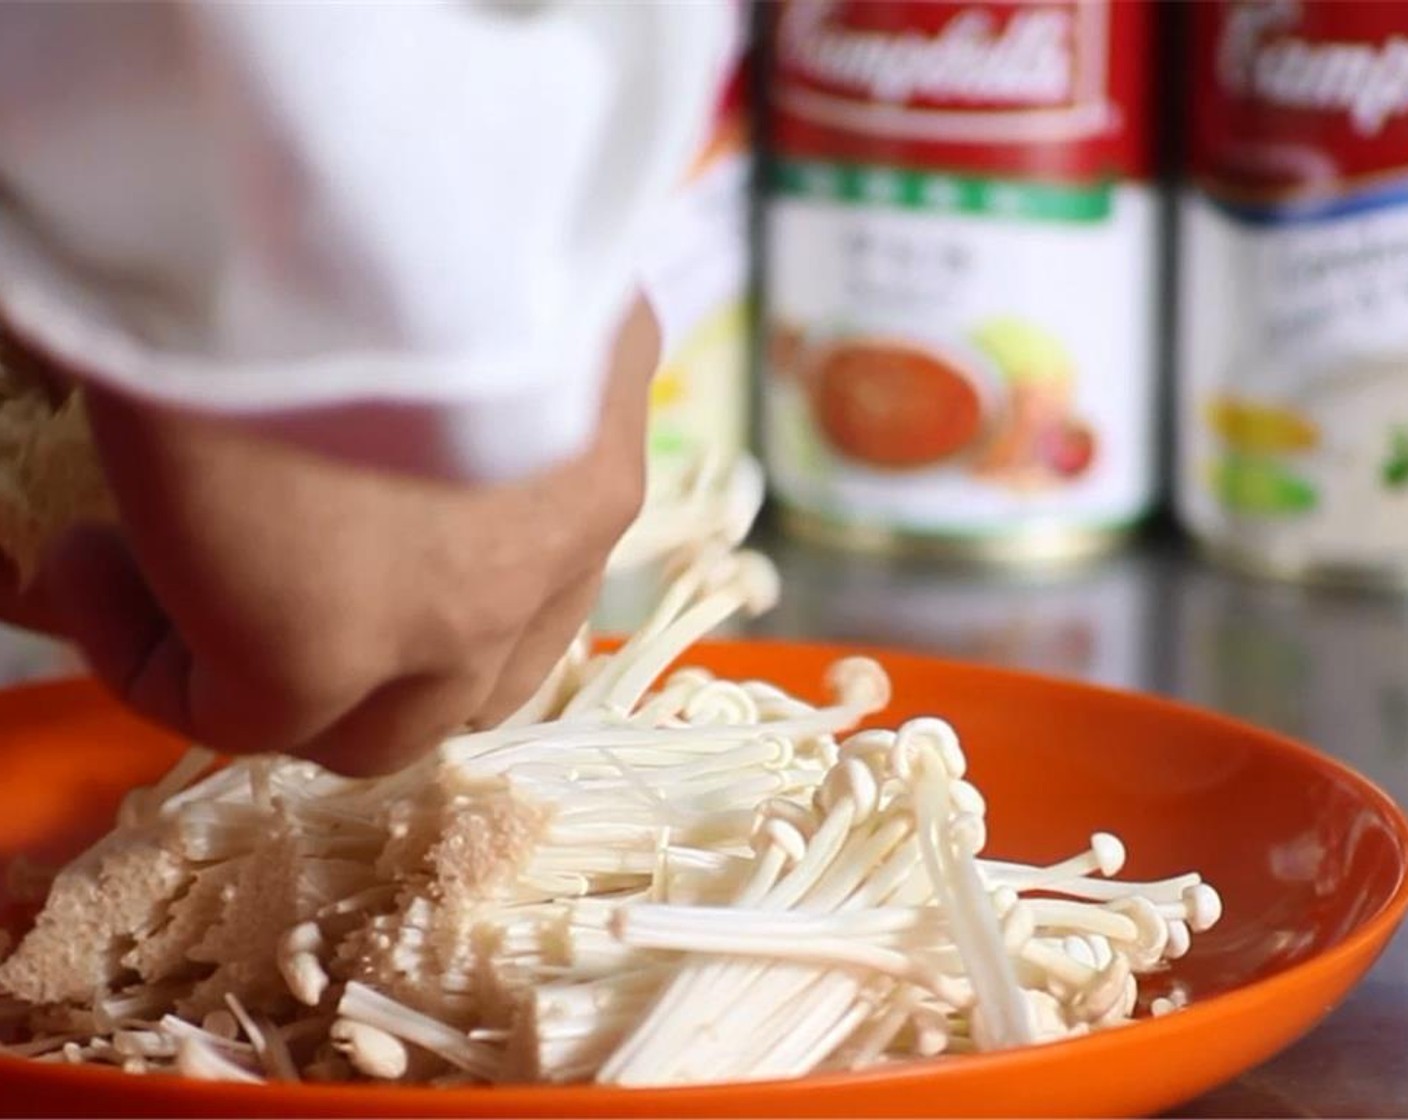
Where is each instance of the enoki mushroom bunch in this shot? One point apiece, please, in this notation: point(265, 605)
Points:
point(647, 876)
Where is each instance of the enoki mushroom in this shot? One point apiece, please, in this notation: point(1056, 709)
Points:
point(647, 877)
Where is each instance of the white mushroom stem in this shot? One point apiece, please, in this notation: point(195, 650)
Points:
point(485, 754)
point(268, 1044)
point(817, 1022)
point(782, 839)
point(670, 701)
point(371, 1051)
point(857, 862)
point(707, 503)
point(925, 735)
point(143, 1002)
point(363, 1005)
point(751, 587)
point(1054, 915)
point(195, 1059)
point(861, 684)
point(45, 1044)
point(673, 1028)
point(1022, 878)
point(1105, 856)
point(298, 963)
point(1110, 997)
point(720, 702)
point(877, 1036)
point(1091, 950)
point(712, 588)
point(959, 889)
point(215, 1039)
point(1048, 1016)
point(688, 582)
point(1064, 968)
point(142, 805)
point(684, 930)
point(1147, 947)
point(554, 691)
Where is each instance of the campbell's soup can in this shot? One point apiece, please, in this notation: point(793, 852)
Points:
point(1293, 368)
point(961, 269)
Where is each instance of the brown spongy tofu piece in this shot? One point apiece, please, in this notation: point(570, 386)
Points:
point(53, 478)
point(485, 842)
point(459, 849)
point(166, 951)
point(272, 890)
point(95, 910)
point(256, 907)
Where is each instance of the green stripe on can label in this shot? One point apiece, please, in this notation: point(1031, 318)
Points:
point(941, 192)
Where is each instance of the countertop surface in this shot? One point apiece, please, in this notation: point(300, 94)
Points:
point(1330, 668)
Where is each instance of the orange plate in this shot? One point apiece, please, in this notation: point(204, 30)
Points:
point(1309, 857)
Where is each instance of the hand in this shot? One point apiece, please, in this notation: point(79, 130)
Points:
point(260, 598)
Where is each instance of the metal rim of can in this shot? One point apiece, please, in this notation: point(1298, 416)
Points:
point(1342, 577)
point(1046, 546)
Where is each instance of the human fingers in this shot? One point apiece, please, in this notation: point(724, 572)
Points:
point(27, 607)
point(543, 642)
point(133, 647)
point(404, 718)
point(104, 605)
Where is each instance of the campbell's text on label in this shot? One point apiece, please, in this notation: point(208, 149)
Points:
point(1300, 99)
point(956, 83)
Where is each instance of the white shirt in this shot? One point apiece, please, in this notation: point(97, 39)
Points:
point(403, 231)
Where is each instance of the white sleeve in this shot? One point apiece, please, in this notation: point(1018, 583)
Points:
point(405, 231)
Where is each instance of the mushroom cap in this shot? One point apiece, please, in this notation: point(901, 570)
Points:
point(1149, 947)
point(721, 702)
point(746, 492)
point(752, 577)
point(1180, 940)
point(860, 683)
point(970, 832)
point(1109, 852)
point(850, 778)
point(1204, 907)
point(933, 734)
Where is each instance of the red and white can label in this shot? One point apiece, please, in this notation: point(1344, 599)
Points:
point(1294, 342)
point(961, 264)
